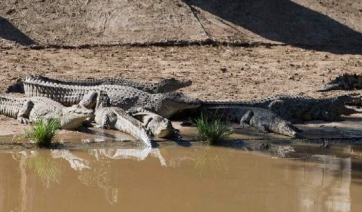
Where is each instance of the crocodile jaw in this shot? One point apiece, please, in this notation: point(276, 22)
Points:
point(71, 123)
point(161, 128)
point(174, 102)
point(172, 84)
point(73, 117)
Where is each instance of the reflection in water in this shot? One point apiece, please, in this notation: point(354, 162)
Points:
point(136, 154)
point(75, 162)
point(208, 160)
point(101, 176)
point(197, 179)
point(331, 173)
point(44, 167)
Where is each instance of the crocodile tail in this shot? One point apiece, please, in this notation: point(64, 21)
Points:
point(10, 106)
point(132, 126)
point(28, 88)
point(65, 94)
point(84, 82)
point(330, 87)
point(42, 79)
point(34, 86)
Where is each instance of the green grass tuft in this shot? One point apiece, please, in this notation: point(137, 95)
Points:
point(42, 134)
point(212, 132)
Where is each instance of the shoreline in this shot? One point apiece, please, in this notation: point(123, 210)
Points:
point(345, 132)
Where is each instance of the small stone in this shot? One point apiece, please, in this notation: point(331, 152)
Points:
point(9, 12)
point(223, 69)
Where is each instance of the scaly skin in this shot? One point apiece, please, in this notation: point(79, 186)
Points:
point(165, 85)
point(120, 96)
point(116, 118)
point(154, 124)
point(262, 119)
point(34, 109)
point(297, 108)
point(344, 82)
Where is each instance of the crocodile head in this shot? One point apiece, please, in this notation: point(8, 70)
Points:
point(73, 116)
point(161, 127)
point(344, 82)
point(172, 102)
point(155, 124)
point(172, 84)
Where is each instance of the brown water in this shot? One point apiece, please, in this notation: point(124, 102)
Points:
point(178, 179)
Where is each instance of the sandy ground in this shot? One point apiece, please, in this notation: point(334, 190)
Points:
point(230, 73)
point(250, 72)
point(297, 46)
point(312, 23)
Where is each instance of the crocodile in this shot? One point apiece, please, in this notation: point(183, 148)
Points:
point(344, 82)
point(109, 117)
point(154, 124)
point(34, 109)
point(116, 118)
point(163, 86)
point(262, 119)
point(164, 104)
point(297, 108)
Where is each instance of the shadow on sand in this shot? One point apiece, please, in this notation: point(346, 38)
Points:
point(287, 22)
point(9, 32)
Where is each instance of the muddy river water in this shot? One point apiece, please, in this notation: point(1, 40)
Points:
point(196, 178)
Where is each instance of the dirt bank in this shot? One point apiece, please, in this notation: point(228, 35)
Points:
point(303, 44)
point(333, 26)
point(228, 73)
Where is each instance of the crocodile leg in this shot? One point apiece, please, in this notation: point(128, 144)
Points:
point(88, 99)
point(154, 124)
point(262, 128)
point(108, 120)
point(24, 112)
point(249, 119)
point(245, 119)
point(145, 119)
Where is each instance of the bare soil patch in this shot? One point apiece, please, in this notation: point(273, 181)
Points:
point(303, 44)
point(230, 73)
point(223, 73)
